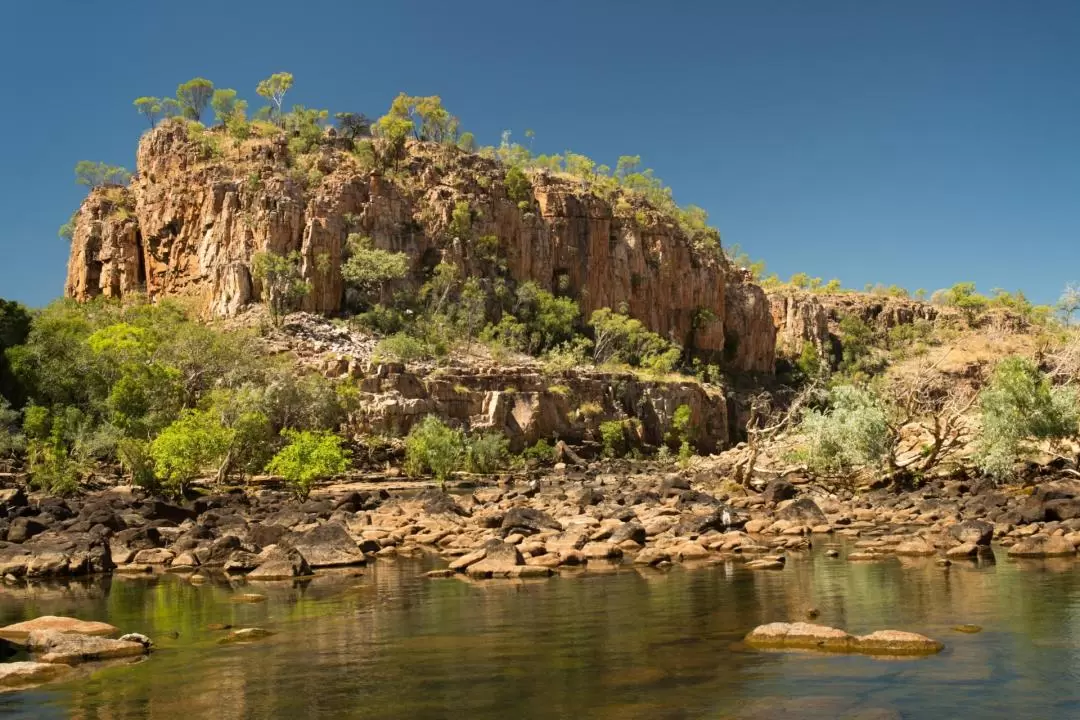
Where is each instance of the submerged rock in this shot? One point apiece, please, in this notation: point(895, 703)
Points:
point(1042, 546)
point(19, 632)
point(809, 636)
point(246, 635)
point(70, 648)
point(15, 675)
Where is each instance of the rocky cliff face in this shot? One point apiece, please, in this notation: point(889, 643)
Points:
point(199, 215)
point(804, 317)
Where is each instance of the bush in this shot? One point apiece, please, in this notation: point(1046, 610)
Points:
point(541, 452)
point(613, 436)
point(433, 447)
point(367, 269)
point(196, 443)
point(486, 453)
point(619, 338)
point(1020, 404)
point(853, 431)
point(518, 187)
point(401, 348)
point(308, 456)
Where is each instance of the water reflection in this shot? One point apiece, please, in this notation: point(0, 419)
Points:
point(636, 643)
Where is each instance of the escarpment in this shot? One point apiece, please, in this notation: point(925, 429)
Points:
point(200, 207)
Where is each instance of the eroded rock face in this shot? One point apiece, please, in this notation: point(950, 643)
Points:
point(198, 220)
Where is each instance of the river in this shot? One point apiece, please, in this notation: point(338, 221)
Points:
point(624, 644)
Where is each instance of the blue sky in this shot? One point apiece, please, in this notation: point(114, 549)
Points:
point(917, 142)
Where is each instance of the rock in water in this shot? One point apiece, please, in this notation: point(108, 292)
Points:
point(20, 631)
point(277, 563)
point(978, 532)
point(1041, 546)
point(328, 545)
point(808, 636)
point(500, 559)
point(26, 674)
point(803, 511)
point(69, 648)
point(246, 635)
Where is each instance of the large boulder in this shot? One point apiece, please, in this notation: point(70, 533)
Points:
point(437, 502)
point(632, 530)
point(18, 632)
point(1042, 546)
point(803, 511)
point(978, 532)
point(49, 555)
point(500, 560)
point(527, 521)
point(778, 491)
point(72, 648)
point(24, 528)
point(15, 675)
point(328, 545)
point(276, 563)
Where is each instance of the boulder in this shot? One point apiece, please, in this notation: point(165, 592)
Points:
point(766, 563)
point(139, 638)
point(777, 491)
point(896, 642)
point(978, 532)
point(916, 547)
point(799, 635)
point(527, 521)
point(11, 498)
point(328, 545)
point(14, 675)
point(154, 556)
point(24, 528)
point(964, 550)
point(437, 502)
point(72, 648)
point(601, 551)
point(261, 535)
point(652, 556)
point(1042, 546)
point(276, 563)
point(463, 562)
point(632, 530)
point(20, 631)
point(803, 511)
point(500, 559)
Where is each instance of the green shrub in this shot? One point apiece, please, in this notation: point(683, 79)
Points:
point(1019, 405)
point(193, 445)
point(308, 456)
point(368, 269)
point(518, 187)
point(618, 338)
point(853, 431)
point(541, 452)
point(487, 453)
point(433, 447)
point(613, 437)
point(136, 461)
point(401, 348)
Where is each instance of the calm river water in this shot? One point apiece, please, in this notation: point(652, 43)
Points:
point(624, 644)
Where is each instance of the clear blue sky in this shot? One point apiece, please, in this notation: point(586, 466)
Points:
point(917, 142)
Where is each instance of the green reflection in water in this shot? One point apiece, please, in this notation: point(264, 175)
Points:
point(628, 644)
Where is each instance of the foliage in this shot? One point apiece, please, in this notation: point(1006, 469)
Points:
point(809, 362)
point(486, 453)
point(619, 338)
point(518, 187)
point(857, 340)
point(228, 110)
point(193, 97)
point(426, 117)
point(307, 457)
point(12, 441)
point(541, 452)
point(433, 447)
point(682, 431)
point(150, 108)
point(67, 230)
point(401, 347)
point(1069, 302)
point(353, 125)
point(1020, 404)
point(99, 174)
point(852, 431)
point(274, 88)
point(194, 444)
point(281, 282)
point(964, 297)
point(613, 437)
point(367, 269)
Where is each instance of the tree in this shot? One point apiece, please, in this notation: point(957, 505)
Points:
point(224, 104)
point(852, 431)
point(150, 107)
point(920, 294)
point(425, 117)
point(194, 444)
point(308, 456)
point(67, 230)
point(800, 280)
point(518, 187)
point(170, 108)
point(471, 306)
point(620, 338)
point(366, 268)
point(282, 283)
point(274, 88)
point(1069, 303)
point(193, 97)
point(353, 125)
point(963, 296)
point(99, 174)
point(1021, 404)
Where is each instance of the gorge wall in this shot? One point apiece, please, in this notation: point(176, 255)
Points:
point(193, 217)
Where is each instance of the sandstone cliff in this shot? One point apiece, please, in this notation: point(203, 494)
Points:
point(199, 214)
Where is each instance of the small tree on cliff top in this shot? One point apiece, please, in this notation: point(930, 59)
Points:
point(194, 96)
point(97, 174)
point(274, 88)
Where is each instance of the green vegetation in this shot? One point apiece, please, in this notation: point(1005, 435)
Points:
point(308, 456)
point(1019, 405)
point(853, 431)
point(273, 89)
point(193, 97)
point(281, 281)
point(433, 447)
point(99, 174)
point(622, 339)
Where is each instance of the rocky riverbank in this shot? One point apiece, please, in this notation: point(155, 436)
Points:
point(525, 527)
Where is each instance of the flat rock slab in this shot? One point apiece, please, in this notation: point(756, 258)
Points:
point(807, 636)
point(70, 649)
point(20, 631)
point(328, 545)
point(18, 675)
